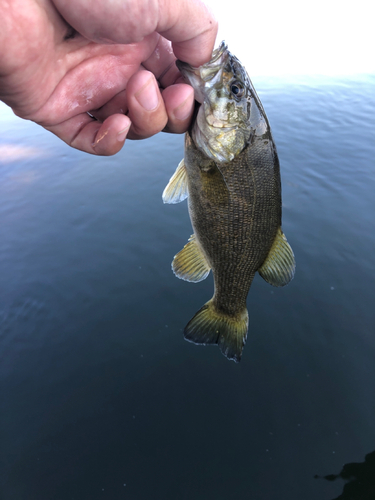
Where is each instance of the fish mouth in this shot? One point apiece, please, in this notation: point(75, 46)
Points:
point(217, 55)
point(197, 77)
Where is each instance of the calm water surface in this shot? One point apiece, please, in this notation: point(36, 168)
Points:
point(101, 398)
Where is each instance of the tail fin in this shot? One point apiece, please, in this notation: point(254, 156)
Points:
point(210, 326)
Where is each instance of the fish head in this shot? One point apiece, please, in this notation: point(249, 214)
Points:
point(230, 111)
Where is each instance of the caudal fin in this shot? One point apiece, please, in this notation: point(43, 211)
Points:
point(210, 326)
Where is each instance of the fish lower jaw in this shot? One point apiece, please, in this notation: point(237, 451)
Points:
point(217, 117)
point(214, 122)
point(211, 141)
point(211, 148)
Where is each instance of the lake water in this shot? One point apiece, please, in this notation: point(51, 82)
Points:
point(101, 397)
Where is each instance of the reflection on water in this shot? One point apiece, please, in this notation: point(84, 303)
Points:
point(98, 387)
point(14, 152)
point(360, 477)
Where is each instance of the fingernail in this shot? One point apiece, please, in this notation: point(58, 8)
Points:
point(184, 110)
point(148, 95)
point(121, 136)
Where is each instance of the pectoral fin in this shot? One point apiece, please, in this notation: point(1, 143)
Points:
point(279, 266)
point(190, 264)
point(177, 187)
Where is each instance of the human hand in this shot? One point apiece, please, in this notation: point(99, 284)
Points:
point(109, 61)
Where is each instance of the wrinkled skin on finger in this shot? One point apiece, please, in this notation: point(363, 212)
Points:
point(70, 71)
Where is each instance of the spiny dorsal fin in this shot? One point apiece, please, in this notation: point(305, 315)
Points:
point(279, 266)
point(177, 187)
point(190, 264)
point(210, 326)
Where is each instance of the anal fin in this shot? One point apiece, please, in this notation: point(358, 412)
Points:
point(177, 187)
point(279, 266)
point(190, 264)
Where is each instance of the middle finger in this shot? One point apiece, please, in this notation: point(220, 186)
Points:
point(146, 106)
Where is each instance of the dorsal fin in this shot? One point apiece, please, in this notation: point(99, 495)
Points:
point(177, 187)
point(190, 264)
point(279, 266)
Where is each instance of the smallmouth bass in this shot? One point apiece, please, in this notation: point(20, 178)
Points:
point(231, 176)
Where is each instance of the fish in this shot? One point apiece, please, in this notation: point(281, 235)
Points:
point(230, 175)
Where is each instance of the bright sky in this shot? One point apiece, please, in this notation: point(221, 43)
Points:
point(289, 37)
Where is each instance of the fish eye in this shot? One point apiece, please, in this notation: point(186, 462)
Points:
point(237, 89)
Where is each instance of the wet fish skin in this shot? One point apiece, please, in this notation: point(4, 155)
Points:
point(231, 176)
